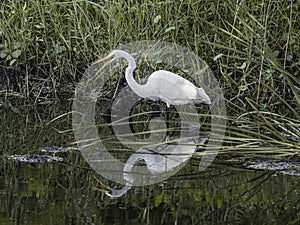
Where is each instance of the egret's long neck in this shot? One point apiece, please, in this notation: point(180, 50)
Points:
point(129, 182)
point(137, 88)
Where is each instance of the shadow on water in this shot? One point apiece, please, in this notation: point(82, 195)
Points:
point(60, 192)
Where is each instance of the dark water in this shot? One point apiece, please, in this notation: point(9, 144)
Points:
point(60, 192)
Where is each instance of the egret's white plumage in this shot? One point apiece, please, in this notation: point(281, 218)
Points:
point(164, 85)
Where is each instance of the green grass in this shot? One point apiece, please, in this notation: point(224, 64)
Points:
point(252, 47)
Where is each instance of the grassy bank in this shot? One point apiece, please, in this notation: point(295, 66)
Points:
point(252, 47)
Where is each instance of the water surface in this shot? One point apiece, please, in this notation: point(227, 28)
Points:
point(60, 192)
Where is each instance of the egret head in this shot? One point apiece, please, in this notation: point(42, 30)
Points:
point(114, 193)
point(110, 192)
point(114, 55)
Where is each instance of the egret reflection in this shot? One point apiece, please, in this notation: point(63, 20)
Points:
point(158, 161)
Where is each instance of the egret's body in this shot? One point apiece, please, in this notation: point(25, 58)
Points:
point(170, 88)
point(163, 85)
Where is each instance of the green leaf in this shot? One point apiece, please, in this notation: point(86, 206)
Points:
point(39, 26)
point(243, 87)
point(17, 45)
point(3, 55)
point(285, 36)
point(243, 66)
point(276, 53)
point(156, 19)
point(218, 56)
point(207, 196)
point(219, 203)
point(169, 29)
point(16, 54)
point(158, 200)
point(12, 62)
point(60, 49)
point(15, 109)
point(289, 58)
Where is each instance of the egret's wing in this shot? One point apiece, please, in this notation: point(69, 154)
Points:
point(170, 87)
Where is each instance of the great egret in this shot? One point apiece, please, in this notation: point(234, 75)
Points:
point(171, 89)
point(164, 85)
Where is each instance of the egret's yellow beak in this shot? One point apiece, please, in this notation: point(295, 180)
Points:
point(109, 58)
point(103, 59)
point(105, 188)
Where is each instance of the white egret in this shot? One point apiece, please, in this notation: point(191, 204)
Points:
point(171, 89)
point(164, 85)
